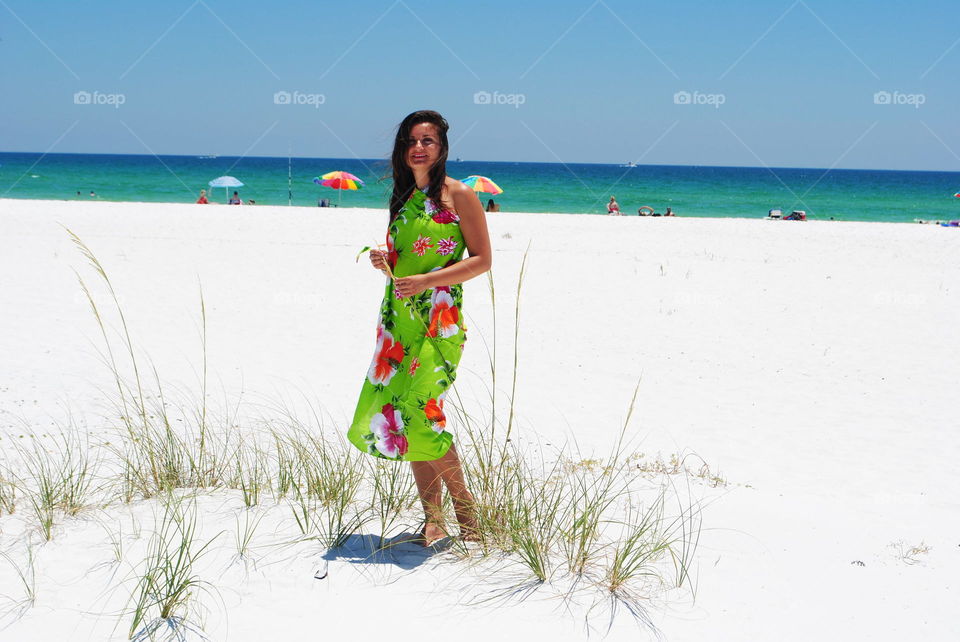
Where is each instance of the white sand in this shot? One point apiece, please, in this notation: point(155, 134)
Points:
point(814, 365)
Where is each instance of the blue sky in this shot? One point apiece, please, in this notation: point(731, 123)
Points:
point(787, 83)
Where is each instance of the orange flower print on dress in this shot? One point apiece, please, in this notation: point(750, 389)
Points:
point(443, 314)
point(434, 412)
point(421, 245)
point(386, 358)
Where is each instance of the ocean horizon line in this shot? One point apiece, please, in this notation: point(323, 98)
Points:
point(624, 165)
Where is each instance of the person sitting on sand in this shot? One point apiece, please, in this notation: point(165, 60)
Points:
point(669, 212)
point(203, 198)
point(613, 208)
point(235, 199)
point(492, 207)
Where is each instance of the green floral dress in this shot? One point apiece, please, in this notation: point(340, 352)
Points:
point(419, 342)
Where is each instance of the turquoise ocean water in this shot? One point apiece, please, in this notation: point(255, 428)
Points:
point(850, 195)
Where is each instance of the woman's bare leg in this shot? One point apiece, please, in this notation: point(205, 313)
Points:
point(451, 472)
point(430, 487)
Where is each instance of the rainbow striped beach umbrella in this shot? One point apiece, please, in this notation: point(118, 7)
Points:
point(482, 184)
point(339, 181)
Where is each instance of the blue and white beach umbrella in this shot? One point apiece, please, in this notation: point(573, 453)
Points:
point(226, 182)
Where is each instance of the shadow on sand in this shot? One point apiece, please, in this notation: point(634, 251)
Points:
point(396, 551)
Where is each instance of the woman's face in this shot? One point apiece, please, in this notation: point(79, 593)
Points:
point(423, 148)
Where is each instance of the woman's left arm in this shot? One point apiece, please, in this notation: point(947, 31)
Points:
point(473, 225)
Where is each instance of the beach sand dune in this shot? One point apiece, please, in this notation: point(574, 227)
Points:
point(814, 366)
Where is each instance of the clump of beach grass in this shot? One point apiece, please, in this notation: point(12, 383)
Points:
point(168, 585)
point(251, 474)
point(243, 535)
point(58, 475)
point(157, 455)
point(393, 493)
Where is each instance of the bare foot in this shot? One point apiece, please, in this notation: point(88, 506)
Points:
point(431, 534)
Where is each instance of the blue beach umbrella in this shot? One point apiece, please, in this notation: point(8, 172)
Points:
point(226, 182)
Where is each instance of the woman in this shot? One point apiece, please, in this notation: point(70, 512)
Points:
point(420, 331)
point(613, 208)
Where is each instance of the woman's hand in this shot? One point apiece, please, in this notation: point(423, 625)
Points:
point(378, 259)
point(411, 285)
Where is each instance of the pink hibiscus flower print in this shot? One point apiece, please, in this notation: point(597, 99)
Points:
point(421, 245)
point(446, 246)
point(386, 359)
point(445, 216)
point(414, 364)
point(387, 429)
point(443, 315)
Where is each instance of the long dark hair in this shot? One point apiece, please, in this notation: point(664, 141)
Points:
point(403, 180)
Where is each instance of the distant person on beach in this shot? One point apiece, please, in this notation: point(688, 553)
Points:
point(250, 201)
point(93, 194)
point(323, 202)
point(78, 192)
point(492, 207)
point(437, 238)
point(669, 212)
point(613, 207)
point(203, 198)
point(235, 199)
